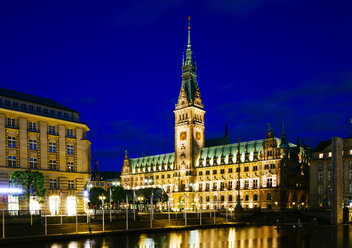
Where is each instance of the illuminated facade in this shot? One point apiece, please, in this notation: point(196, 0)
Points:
point(272, 172)
point(321, 174)
point(40, 134)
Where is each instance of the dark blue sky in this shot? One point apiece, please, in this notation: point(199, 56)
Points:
point(119, 64)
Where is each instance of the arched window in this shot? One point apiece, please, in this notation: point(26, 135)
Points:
point(255, 197)
point(247, 198)
point(230, 198)
point(208, 198)
point(200, 199)
point(222, 198)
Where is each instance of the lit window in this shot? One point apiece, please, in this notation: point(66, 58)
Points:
point(321, 155)
point(71, 184)
point(52, 164)
point(33, 163)
point(12, 161)
point(32, 144)
point(351, 152)
point(330, 154)
point(10, 122)
point(32, 126)
point(53, 183)
point(69, 133)
point(52, 147)
point(11, 141)
point(70, 167)
point(54, 202)
point(70, 149)
point(52, 130)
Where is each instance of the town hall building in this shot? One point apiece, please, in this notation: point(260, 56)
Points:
point(265, 173)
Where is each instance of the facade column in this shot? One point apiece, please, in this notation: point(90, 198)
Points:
point(337, 181)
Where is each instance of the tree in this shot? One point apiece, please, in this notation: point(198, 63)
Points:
point(31, 182)
point(94, 194)
point(117, 194)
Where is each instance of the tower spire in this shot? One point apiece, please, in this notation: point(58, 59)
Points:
point(189, 33)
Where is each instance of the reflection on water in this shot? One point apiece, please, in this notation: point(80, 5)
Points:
point(237, 237)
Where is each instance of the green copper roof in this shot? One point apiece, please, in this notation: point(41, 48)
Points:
point(166, 161)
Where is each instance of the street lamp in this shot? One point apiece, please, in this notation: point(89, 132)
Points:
point(102, 198)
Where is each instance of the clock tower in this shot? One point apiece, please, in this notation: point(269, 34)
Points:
point(189, 123)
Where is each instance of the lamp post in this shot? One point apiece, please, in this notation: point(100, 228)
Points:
point(102, 198)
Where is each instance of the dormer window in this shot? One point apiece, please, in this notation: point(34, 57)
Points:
point(321, 155)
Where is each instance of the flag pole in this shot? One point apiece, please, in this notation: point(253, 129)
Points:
point(151, 210)
point(126, 212)
point(110, 205)
point(168, 210)
point(45, 220)
point(134, 205)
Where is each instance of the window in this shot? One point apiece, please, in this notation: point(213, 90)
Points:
point(320, 166)
point(39, 109)
point(321, 155)
point(246, 198)
point(11, 141)
point(162, 177)
point(246, 169)
point(255, 183)
point(31, 108)
point(52, 130)
point(238, 169)
point(272, 166)
point(266, 166)
point(222, 171)
point(7, 103)
point(329, 175)
point(321, 190)
point(45, 111)
point(71, 184)
point(52, 112)
point(32, 144)
point(255, 168)
point(168, 176)
point(10, 122)
point(52, 164)
point(330, 154)
point(70, 133)
point(246, 184)
point(230, 198)
point(237, 184)
point(350, 174)
point(24, 106)
point(70, 149)
point(320, 177)
point(215, 172)
point(255, 197)
point(229, 170)
point(65, 115)
point(269, 183)
point(207, 172)
point(70, 167)
point(52, 147)
point(157, 177)
point(215, 186)
point(200, 173)
point(33, 163)
point(32, 126)
point(350, 188)
point(53, 183)
point(59, 113)
point(230, 185)
point(269, 197)
point(351, 152)
point(207, 187)
point(15, 104)
point(12, 162)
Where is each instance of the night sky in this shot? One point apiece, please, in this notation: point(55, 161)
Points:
point(119, 64)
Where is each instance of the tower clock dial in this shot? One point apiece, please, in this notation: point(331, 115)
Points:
point(183, 135)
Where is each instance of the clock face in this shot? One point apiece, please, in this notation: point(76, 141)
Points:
point(183, 135)
point(198, 135)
